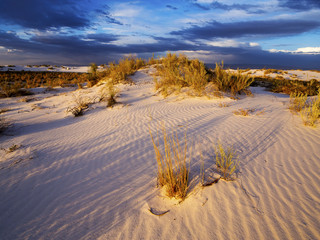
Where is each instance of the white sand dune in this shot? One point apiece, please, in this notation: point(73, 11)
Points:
point(94, 177)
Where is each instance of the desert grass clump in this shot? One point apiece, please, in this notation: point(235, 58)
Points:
point(311, 113)
point(226, 161)
point(81, 104)
point(176, 72)
point(243, 112)
point(4, 124)
point(173, 166)
point(119, 73)
point(297, 101)
point(235, 83)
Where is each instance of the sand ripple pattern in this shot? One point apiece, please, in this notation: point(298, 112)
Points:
point(94, 177)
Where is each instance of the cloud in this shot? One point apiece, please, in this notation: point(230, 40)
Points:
point(208, 5)
point(300, 5)
point(279, 27)
point(305, 50)
point(40, 14)
point(171, 7)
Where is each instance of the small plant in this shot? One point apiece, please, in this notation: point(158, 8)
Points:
point(311, 113)
point(82, 103)
point(4, 124)
point(173, 167)
point(298, 101)
point(244, 112)
point(3, 110)
point(223, 105)
point(176, 72)
point(235, 83)
point(226, 161)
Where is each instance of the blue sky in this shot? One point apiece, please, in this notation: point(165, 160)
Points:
point(276, 32)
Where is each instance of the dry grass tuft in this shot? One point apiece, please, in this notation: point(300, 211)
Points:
point(81, 104)
point(173, 166)
point(177, 72)
point(311, 112)
point(223, 105)
point(4, 124)
point(244, 112)
point(298, 101)
point(226, 161)
point(235, 83)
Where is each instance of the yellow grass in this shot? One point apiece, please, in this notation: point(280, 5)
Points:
point(173, 166)
point(226, 161)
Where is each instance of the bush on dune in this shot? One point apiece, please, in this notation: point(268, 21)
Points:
point(176, 72)
point(235, 83)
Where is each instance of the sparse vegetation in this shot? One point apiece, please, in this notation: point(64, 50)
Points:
point(226, 161)
point(173, 166)
point(311, 112)
point(81, 104)
point(244, 112)
point(118, 73)
point(288, 86)
point(298, 101)
point(235, 83)
point(176, 72)
point(4, 124)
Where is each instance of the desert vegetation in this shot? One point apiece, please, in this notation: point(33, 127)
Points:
point(176, 72)
point(235, 83)
point(288, 86)
point(309, 109)
point(4, 125)
point(226, 161)
point(173, 165)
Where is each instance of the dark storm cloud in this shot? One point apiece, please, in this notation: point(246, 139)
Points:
point(44, 14)
point(41, 14)
point(300, 5)
point(216, 29)
point(171, 7)
point(77, 49)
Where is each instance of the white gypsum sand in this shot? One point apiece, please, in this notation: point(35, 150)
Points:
point(94, 176)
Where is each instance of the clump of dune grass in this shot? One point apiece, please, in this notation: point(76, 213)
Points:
point(244, 112)
point(4, 124)
point(81, 104)
point(119, 73)
point(176, 72)
point(173, 166)
point(223, 105)
point(226, 161)
point(235, 83)
point(298, 101)
point(311, 112)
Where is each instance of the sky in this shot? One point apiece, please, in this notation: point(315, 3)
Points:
point(78, 32)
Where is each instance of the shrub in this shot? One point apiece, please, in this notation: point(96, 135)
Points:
point(298, 101)
point(235, 83)
point(244, 112)
point(81, 103)
point(176, 72)
point(118, 73)
point(311, 112)
point(173, 168)
point(226, 161)
point(4, 124)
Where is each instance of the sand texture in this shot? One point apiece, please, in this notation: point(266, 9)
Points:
point(94, 176)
